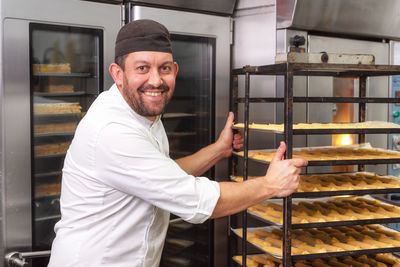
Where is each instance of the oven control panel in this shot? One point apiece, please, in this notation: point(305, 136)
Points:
point(394, 116)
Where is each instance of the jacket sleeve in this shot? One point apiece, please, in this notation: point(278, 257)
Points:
point(127, 160)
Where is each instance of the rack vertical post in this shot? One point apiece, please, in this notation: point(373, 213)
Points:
point(287, 201)
point(245, 163)
point(362, 92)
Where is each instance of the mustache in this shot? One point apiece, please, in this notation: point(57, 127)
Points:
point(162, 87)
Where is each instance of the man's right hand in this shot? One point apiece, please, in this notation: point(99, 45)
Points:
point(283, 176)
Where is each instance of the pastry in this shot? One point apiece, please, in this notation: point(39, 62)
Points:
point(51, 68)
point(59, 88)
point(338, 182)
point(352, 262)
point(51, 149)
point(47, 189)
point(337, 209)
point(56, 108)
point(328, 154)
point(55, 127)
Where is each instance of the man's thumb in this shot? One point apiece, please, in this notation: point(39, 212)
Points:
point(229, 120)
point(280, 152)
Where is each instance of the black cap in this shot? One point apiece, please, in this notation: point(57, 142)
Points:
point(142, 35)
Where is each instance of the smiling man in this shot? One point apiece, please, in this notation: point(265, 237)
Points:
point(119, 184)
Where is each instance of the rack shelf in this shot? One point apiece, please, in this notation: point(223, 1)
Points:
point(55, 74)
point(324, 254)
point(342, 162)
point(60, 94)
point(50, 156)
point(54, 134)
point(320, 69)
point(47, 174)
point(314, 99)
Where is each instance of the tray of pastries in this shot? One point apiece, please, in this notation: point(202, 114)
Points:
point(56, 108)
point(59, 88)
point(51, 149)
point(44, 190)
point(51, 68)
point(321, 128)
point(329, 209)
point(343, 183)
point(361, 153)
point(378, 260)
point(327, 241)
point(42, 129)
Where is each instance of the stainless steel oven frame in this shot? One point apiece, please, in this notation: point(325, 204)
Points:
point(218, 27)
point(15, 118)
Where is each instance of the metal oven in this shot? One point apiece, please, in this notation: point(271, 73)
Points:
point(201, 38)
point(54, 63)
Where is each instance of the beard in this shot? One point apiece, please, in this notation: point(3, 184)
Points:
point(136, 99)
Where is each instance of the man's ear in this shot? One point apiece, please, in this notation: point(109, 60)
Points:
point(176, 68)
point(117, 74)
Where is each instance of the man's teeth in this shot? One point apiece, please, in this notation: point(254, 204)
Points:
point(152, 93)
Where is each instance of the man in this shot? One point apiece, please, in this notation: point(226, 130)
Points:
point(119, 184)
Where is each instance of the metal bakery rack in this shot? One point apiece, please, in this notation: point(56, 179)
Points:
point(288, 70)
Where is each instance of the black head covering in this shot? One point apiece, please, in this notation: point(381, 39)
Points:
point(142, 35)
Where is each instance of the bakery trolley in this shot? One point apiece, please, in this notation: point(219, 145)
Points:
point(288, 71)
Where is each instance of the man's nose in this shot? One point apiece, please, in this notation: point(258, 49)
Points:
point(155, 78)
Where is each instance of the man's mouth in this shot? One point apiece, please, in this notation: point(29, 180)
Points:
point(152, 93)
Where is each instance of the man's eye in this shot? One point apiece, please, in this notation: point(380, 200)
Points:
point(142, 68)
point(166, 68)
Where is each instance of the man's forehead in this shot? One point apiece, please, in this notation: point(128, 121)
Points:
point(150, 56)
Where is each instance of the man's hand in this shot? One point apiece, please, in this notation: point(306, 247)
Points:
point(283, 176)
point(282, 179)
point(228, 141)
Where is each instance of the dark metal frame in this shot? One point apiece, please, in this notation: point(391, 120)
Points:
point(289, 70)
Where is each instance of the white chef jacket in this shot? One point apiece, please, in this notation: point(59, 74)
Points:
point(118, 187)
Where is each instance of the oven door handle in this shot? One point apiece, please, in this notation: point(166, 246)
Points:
point(18, 259)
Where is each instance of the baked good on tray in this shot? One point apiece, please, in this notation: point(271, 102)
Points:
point(338, 182)
point(51, 68)
point(378, 260)
point(55, 127)
point(56, 108)
point(59, 88)
point(51, 149)
point(47, 189)
point(330, 210)
point(327, 239)
point(326, 154)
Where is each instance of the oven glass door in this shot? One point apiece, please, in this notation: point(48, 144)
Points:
point(66, 76)
point(189, 123)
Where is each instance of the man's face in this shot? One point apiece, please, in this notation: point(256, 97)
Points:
point(148, 82)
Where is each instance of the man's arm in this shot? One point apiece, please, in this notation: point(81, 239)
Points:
point(282, 179)
point(199, 162)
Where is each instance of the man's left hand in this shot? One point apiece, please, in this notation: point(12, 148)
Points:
point(227, 140)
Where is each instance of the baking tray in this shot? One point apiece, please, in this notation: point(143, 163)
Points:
point(52, 134)
point(278, 262)
point(328, 223)
point(323, 254)
point(57, 118)
point(59, 155)
point(177, 115)
point(317, 194)
point(60, 94)
point(337, 162)
point(389, 128)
